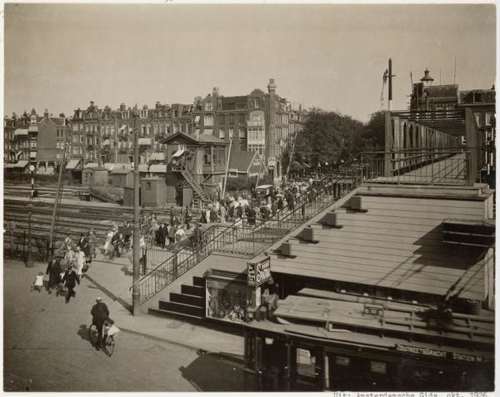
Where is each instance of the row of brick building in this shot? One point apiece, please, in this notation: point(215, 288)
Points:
point(258, 122)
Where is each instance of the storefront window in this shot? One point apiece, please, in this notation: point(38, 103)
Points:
point(226, 299)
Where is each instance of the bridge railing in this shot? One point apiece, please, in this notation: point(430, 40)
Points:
point(242, 239)
point(423, 166)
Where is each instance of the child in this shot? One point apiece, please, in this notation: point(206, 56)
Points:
point(38, 283)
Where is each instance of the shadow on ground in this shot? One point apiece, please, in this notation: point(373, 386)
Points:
point(218, 372)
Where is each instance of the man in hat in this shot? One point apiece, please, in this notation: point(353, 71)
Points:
point(100, 314)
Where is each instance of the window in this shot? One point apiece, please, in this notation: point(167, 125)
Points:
point(222, 134)
point(208, 120)
point(208, 106)
point(230, 133)
point(75, 127)
point(243, 132)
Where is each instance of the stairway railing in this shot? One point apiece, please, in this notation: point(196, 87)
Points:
point(226, 238)
point(195, 185)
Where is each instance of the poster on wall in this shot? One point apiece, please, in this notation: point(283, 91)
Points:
point(259, 272)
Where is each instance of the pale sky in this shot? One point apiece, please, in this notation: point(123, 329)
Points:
point(60, 57)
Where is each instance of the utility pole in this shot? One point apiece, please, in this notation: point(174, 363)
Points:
point(389, 85)
point(227, 167)
point(136, 243)
point(32, 194)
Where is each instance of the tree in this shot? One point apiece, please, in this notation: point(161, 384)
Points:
point(328, 137)
point(374, 132)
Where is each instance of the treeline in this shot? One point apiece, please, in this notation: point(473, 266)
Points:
point(330, 138)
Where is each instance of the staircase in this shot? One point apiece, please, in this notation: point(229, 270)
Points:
point(189, 303)
point(194, 185)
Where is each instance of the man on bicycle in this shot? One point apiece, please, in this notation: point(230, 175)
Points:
point(100, 314)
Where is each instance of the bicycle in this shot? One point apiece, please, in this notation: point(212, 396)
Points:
point(108, 332)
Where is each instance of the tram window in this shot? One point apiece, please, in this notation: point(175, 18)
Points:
point(378, 367)
point(344, 361)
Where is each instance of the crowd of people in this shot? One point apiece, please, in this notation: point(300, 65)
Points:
point(67, 266)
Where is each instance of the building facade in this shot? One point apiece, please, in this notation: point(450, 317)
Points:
point(257, 122)
point(40, 140)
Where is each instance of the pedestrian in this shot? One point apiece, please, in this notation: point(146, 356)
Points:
point(38, 282)
point(180, 234)
point(100, 313)
point(92, 244)
point(171, 234)
point(53, 271)
point(79, 262)
point(70, 279)
point(187, 218)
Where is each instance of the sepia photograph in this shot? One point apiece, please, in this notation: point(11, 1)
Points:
point(249, 197)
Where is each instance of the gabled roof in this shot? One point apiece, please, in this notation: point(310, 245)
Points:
point(179, 137)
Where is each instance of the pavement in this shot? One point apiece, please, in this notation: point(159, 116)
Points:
point(46, 346)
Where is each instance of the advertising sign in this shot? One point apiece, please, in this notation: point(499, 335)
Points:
point(259, 272)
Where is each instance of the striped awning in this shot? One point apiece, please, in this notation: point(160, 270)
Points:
point(158, 168)
point(21, 132)
point(144, 141)
point(73, 164)
point(21, 164)
point(178, 153)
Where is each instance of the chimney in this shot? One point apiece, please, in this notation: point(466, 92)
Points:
point(46, 114)
point(331, 220)
point(356, 204)
point(271, 87)
point(307, 235)
point(285, 249)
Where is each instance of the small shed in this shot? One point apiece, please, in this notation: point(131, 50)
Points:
point(88, 176)
point(73, 170)
point(154, 192)
point(122, 177)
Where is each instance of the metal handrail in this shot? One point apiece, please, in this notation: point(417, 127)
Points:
point(202, 252)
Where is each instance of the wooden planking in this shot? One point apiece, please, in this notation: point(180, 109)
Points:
point(387, 252)
point(423, 205)
point(370, 264)
point(379, 272)
point(422, 285)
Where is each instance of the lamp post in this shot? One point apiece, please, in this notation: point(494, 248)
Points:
point(136, 242)
point(32, 193)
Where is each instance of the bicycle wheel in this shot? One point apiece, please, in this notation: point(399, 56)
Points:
point(110, 345)
point(93, 334)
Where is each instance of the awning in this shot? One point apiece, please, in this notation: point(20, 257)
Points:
point(143, 168)
point(157, 156)
point(91, 165)
point(10, 165)
point(33, 155)
point(21, 132)
point(33, 128)
point(158, 168)
point(21, 164)
point(73, 164)
point(178, 153)
point(144, 141)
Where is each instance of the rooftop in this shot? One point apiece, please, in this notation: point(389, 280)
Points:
point(396, 244)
